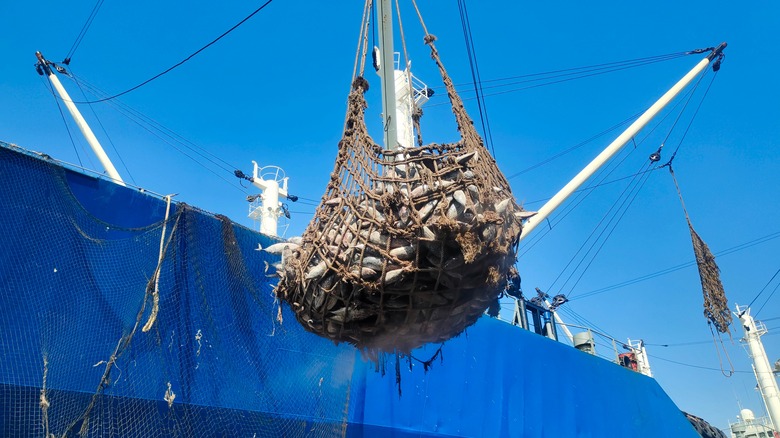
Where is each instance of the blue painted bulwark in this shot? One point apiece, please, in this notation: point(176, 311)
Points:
point(77, 274)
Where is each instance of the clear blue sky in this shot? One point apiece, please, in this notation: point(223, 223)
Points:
point(275, 90)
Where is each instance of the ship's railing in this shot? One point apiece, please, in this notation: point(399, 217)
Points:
point(760, 328)
point(752, 427)
point(617, 349)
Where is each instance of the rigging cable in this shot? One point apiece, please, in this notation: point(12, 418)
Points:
point(635, 187)
point(83, 32)
point(697, 366)
point(767, 299)
point(579, 198)
point(584, 321)
point(168, 136)
point(693, 117)
point(601, 184)
point(695, 113)
point(635, 190)
point(113, 146)
point(205, 153)
point(65, 122)
point(675, 268)
point(575, 147)
point(185, 59)
point(577, 75)
point(587, 68)
point(475, 76)
point(621, 210)
point(582, 193)
point(762, 291)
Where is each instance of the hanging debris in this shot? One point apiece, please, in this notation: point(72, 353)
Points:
point(716, 308)
point(715, 302)
point(407, 246)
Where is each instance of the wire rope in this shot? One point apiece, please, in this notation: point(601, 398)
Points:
point(83, 32)
point(678, 267)
point(475, 76)
point(105, 132)
point(212, 42)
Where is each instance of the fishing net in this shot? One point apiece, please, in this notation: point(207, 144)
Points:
point(407, 246)
point(115, 322)
point(715, 302)
point(716, 307)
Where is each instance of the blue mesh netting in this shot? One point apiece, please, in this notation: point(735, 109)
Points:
point(78, 255)
point(76, 258)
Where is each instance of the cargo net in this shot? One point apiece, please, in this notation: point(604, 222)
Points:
point(102, 334)
point(408, 246)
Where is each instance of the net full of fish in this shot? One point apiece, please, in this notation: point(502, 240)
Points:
point(407, 247)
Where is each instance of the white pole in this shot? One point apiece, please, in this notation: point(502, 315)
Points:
point(560, 322)
point(566, 330)
point(387, 73)
point(764, 375)
point(616, 145)
point(81, 123)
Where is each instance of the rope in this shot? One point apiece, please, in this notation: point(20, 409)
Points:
point(636, 189)
point(419, 15)
point(168, 136)
point(679, 115)
point(83, 32)
point(120, 348)
point(103, 128)
point(725, 373)
point(185, 59)
point(715, 302)
point(362, 37)
point(576, 146)
point(762, 291)
point(594, 72)
point(551, 74)
point(579, 198)
point(695, 113)
point(403, 39)
point(156, 275)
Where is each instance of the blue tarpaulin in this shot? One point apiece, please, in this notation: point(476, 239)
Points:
point(77, 283)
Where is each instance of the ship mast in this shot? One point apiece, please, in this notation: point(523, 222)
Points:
point(273, 182)
point(618, 143)
point(44, 67)
point(765, 377)
point(402, 92)
point(387, 73)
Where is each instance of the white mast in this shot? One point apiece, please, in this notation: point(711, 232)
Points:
point(387, 73)
point(616, 145)
point(82, 124)
point(272, 181)
point(767, 383)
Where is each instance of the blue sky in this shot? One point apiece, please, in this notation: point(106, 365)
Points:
point(274, 91)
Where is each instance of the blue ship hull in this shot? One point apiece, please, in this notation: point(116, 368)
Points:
point(220, 359)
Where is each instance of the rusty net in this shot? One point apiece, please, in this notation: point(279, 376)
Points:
point(407, 246)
